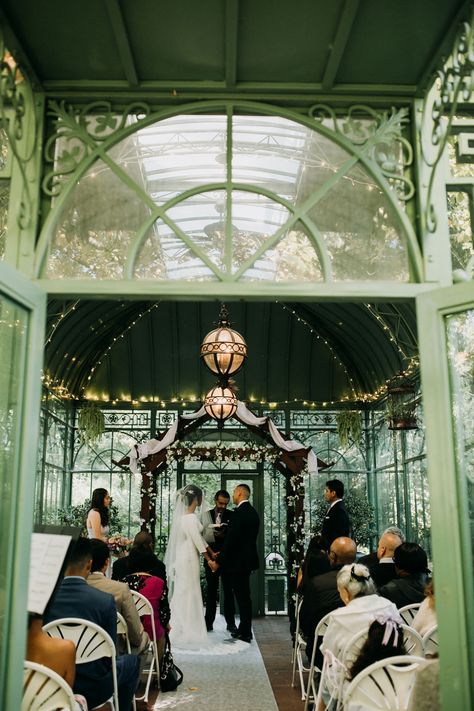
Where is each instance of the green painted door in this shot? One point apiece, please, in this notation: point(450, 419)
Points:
point(22, 316)
point(446, 334)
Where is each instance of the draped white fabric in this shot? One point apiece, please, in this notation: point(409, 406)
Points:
point(244, 414)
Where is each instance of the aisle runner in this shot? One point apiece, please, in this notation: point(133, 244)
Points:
point(236, 681)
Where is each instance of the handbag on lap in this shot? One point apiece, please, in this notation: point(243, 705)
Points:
point(171, 676)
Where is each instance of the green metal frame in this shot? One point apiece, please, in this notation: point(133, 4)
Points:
point(18, 289)
point(97, 148)
point(452, 546)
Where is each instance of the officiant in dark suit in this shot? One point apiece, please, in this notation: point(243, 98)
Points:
point(216, 525)
point(336, 523)
point(239, 556)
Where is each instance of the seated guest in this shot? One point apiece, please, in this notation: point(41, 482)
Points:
point(316, 562)
point(139, 639)
point(411, 565)
point(320, 594)
point(361, 606)
point(150, 586)
point(384, 639)
point(143, 541)
point(75, 598)
point(383, 570)
point(372, 559)
point(425, 618)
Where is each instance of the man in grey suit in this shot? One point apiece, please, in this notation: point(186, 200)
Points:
point(139, 639)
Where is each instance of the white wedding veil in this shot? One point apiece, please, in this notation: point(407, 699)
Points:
point(184, 499)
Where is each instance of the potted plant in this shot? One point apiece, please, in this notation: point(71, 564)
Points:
point(401, 416)
point(349, 427)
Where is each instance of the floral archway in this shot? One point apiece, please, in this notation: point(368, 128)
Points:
point(290, 457)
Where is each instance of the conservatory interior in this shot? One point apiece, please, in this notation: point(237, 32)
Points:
point(313, 179)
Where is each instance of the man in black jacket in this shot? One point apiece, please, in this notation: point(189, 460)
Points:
point(321, 595)
point(336, 522)
point(239, 557)
point(411, 565)
point(216, 526)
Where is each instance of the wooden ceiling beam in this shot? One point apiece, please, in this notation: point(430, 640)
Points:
point(123, 45)
point(339, 44)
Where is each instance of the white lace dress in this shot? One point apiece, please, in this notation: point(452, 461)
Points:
point(188, 628)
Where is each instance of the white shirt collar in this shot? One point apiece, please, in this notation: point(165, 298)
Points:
point(335, 502)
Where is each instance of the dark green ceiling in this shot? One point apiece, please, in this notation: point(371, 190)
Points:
point(136, 350)
point(251, 46)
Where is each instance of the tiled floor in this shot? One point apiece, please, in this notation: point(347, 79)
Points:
point(273, 637)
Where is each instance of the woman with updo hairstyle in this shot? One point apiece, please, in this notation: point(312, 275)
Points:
point(97, 521)
point(361, 606)
point(182, 560)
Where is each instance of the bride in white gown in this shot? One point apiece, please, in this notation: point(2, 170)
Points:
point(188, 628)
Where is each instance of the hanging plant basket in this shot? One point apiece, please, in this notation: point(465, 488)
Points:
point(401, 407)
point(90, 424)
point(349, 427)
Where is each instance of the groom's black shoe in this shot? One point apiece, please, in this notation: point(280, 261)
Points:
point(239, 635)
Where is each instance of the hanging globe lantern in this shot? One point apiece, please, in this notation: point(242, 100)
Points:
point(224, 350)
point(220, 403)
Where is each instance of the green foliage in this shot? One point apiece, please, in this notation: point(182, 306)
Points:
point(90, 423)
point(349, 427)
point(77, 515)
point(361, 515)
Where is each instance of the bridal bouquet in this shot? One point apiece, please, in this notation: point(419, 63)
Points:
point(119, 545)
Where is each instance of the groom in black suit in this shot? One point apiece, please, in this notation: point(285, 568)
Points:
point(336, 523)
point(239, 557)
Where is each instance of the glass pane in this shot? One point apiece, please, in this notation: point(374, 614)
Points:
point(164, 255)
point(13, 328)
point(4, 200)
point(254, 219)
point(282, 156)
point(203, 219)
point(293, 258)
point(95, 227)
point(460, 228)
point(362, 230)
point(175, 155)
point(460, 339)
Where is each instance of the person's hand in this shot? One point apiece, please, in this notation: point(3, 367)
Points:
point(213, 565)
point(213, 555)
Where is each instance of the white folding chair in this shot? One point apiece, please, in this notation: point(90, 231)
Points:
point(299, 647)
point(408, 612)
point(311, 690)
point(430, 641)
point(92, 643)
point(122, 630)
point(44, 690)
point(384, 685)
point(144, 607)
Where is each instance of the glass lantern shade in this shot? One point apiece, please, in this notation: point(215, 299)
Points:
point(224, 351)
point(220, 403)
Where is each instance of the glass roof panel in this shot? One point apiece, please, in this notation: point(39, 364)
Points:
point(292, 259)
point(175, 154)
point(164, 255)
